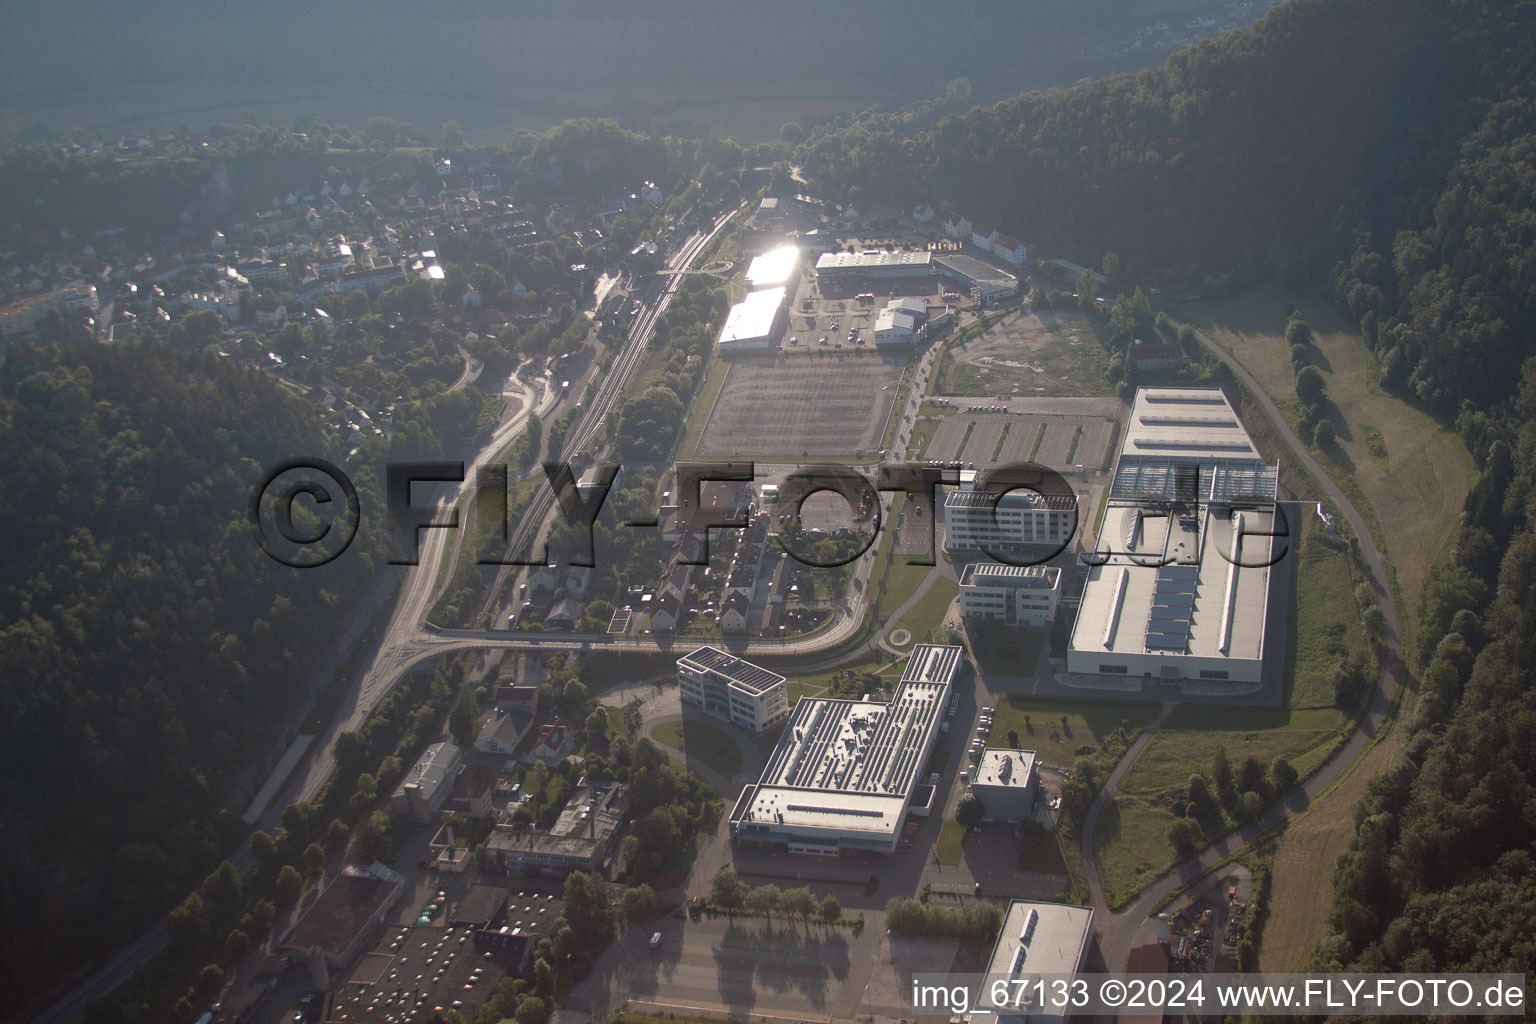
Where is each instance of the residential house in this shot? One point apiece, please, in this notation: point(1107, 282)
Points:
point(733, 615)
point(556, 742)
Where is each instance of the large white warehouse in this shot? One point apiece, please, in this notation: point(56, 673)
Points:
point(1183, 589)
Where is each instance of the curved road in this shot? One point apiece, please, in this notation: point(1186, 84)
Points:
point(1118, 931)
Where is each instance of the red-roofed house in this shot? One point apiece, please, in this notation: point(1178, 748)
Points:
point(555, 742)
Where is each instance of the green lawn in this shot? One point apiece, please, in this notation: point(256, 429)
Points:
point(703, 742)
point(948, 848)
point(1088, 723)
point(797, 690)
point(925, 618)
point(1041, 852)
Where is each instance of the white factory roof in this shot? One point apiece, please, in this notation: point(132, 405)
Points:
point(752, 318)
point(1056, 944)
point(773, 268)
point(852, 764)
point(1193, 422)
point(1010, 768)
point(1186, 468)
point(867, 260)
point(1213, 609)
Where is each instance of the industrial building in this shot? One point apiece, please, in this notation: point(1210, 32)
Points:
point(338, 926)
point(844, 773)
point(901, 321)
point(849, 266)
point(1016, 595)
point(428, 783)
point(1006, 784)
point(988, 282)
point(1020, 522)
point(777, 268)
point(1050, 940)
point(580, 839)
point(1179, 588)
point(756, 322)
point(735, 690)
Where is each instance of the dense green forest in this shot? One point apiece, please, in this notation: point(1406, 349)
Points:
point(1433, 258)
point(150, 650)
point(1229, 148)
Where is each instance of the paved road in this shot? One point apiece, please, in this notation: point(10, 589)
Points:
point(1118, 930)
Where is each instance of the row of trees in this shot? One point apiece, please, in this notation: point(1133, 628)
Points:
point(974, 919)
point(728, 893)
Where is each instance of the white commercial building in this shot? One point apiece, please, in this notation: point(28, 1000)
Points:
point(1005, 783)
point(1018, 522)
point(835, 266)
point(1045, 940)
point(1017, 595)
point(1180, 588)
point(755, 322)
point(844, 772)
point(774, 269)
point(738, 691)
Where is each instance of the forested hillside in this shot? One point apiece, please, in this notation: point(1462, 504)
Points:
point(1434, 260)
point(1229, 148)
point(149, 649)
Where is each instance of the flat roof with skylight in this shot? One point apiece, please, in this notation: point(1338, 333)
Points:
point(1049, 940)
point(1181, 591)
point(844, 771)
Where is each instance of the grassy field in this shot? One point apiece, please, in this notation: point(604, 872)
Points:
point(1194, 732)
point(704, 742)
point(1087, 725)
point(951, 838)
point(1130, 847)
point(1326, 620)
point(1314, 841)
point(1041, 852)
point(1411, 470)
point(925, 619)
